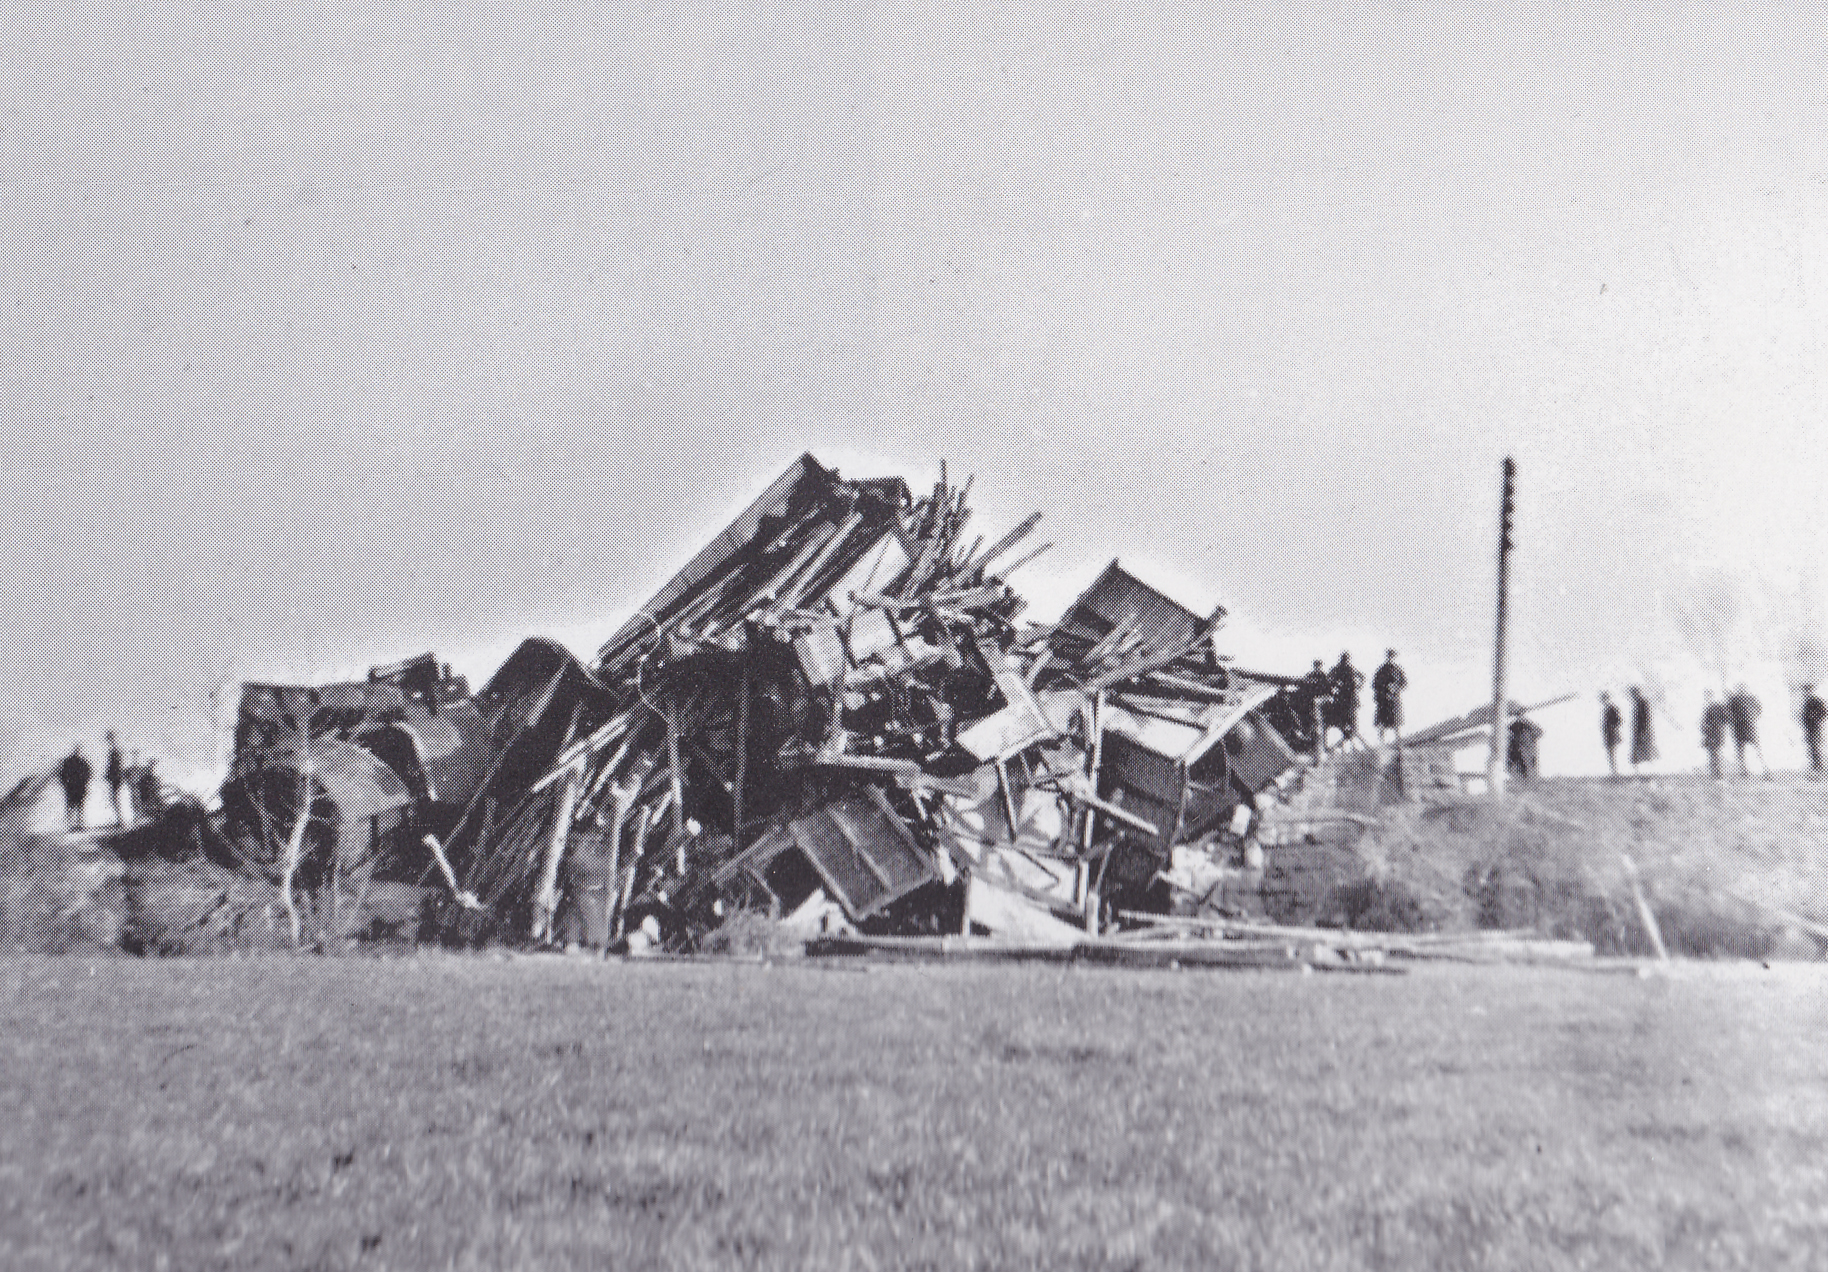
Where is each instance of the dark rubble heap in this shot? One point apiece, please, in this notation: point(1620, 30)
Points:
point(831, 713)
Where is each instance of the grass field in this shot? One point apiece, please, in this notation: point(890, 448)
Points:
point(472, 1112)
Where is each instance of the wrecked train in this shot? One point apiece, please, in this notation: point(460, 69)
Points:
point(830, 712)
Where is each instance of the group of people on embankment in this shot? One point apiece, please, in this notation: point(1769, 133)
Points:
point(1734, 716)
point(134, 787)
point(1325, 700)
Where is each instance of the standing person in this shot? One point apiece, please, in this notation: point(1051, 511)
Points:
point(1316, 693)
point(1520, 755)
point(74, 773)
point(1813, 713)
point(1387, 687)
point(1612, 730)
point(116, 773)
point(130, 785)
point(1742, 711)
point(1742, 717)
point(1643, 740)
point(148, 792)
point(1713, 732)
point(1345, 680)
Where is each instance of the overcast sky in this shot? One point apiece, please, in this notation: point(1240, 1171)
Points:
point(336, 335)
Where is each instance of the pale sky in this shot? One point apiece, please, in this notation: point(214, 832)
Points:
point(338, 335)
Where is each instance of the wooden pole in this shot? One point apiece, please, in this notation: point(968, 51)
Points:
point(672, 759)
point(546, 901)
point(1644, 911)
point(1494, 770)
point(742, 762)
point(1091, 814)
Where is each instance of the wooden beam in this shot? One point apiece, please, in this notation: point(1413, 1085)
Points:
point(742, 757)
point(672, 757)
point(545, 904)
point(1007, 542)
point(1009, 801)
point(1097, 761)
point(1011, 568)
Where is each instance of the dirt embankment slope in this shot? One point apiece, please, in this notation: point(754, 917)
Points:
point(1729, 868)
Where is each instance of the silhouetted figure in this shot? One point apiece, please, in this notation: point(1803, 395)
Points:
point(1643, 739)
point(1520, 753)
point(74, 773)
point(1742, 711)
point(1387, 686)
point(1316, 692)
point(1713, 732)
point(1813, 713)
point(130, 785)
point(1612, 730)
point(583, 918)
point(147, 792)
point(1344, 682)
point(116, 773)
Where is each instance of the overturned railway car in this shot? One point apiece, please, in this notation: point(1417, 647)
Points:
point(381, 762)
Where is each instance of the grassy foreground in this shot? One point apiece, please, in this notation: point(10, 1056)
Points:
point(470, 1112)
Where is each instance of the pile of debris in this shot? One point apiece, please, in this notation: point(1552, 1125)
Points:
point(831, 714)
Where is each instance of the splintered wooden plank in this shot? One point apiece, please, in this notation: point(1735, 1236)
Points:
point(923, 568)
point(742, 756)
point(962, 564)
point(1021, 561)
point(803, 580)
point(880, 564)
point(673, 770)
point(1007, 542)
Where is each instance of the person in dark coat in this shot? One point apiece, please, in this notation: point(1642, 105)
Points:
point(1742, 712)
point(116, 773)
point(1612, 730)
point(148, 791)
point(1643, 739)
point(1521, 753)
point(74, 773)
point(1387, 687)
point(1713, 732)
point(1344, 682)
point(1813, 713)
point(1316, 692)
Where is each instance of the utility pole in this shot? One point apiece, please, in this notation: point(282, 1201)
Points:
point(1494, 770)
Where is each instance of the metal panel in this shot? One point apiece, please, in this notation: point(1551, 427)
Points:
point(821, 654)
point(1167, 738)
point(1222, 718)
point(1258, 754)
point(1118, 597)
point(1137, 768)
point(360, 784)
point(866, 857)
point(1015, 727)
point(450, 750)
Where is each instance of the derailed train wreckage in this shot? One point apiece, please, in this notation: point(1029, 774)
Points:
point(830, 713)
